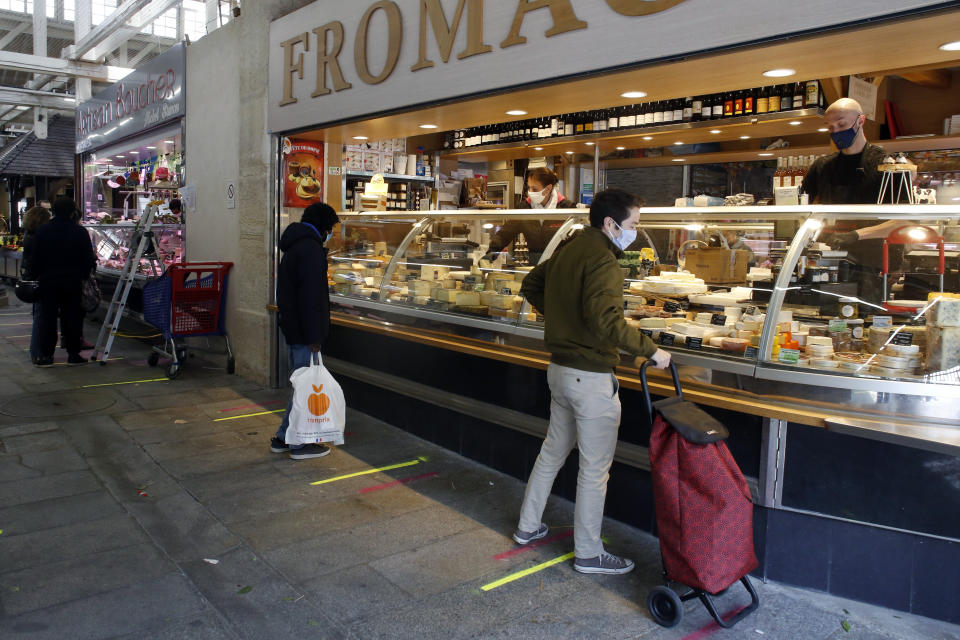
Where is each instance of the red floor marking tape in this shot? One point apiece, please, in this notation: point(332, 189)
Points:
point(711, 628)
point(533, 545)
point(397, 483)
point(253, 406)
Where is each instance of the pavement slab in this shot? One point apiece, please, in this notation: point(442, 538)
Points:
point(45, 487)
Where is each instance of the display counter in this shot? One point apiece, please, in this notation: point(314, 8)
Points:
point(10, 260)
point(111, 243)
point(785, 316)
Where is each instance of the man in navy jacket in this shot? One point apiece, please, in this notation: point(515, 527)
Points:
point(303, 297)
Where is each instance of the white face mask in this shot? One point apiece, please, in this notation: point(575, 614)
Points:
point(627, 236)
point(536, 197)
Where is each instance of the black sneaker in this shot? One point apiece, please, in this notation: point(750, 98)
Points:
point(75, 359)
point(43, 362)
point(308, 451)
point(278, 446)
point(606, 563)
point(524, 537)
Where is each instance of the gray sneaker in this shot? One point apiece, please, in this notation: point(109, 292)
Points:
point(524, 537)
point(308, 451)
point(604, 563)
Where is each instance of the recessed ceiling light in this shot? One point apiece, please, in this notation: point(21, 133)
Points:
point(823, 129)
point(794, 123)
point(714, 130)
point(120, 156)
point(538, 148)
point(633, 94)
point(744, 137)
point(951, 46)
point(679, 159)
point(620, 148)
point(678, 143)
point(360, 138)
point(648, 137)
point(136, 153)
point(765, 154)
point(590, 144)
point(151, 147)
point(569, 153)
point(779, 73)
point(169, 141)
point(516, 112)
point(428, 126)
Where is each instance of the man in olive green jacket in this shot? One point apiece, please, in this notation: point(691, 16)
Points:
point(579, 291)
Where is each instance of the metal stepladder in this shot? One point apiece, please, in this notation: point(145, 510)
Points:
point(140, 240)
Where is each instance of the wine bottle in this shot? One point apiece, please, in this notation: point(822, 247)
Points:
point(798, 93)
point(658, 112)
point(786, 97)
point(569, 125)
point(678, 110)
point(750, 102)
point(728, 102)
point(763, 100)
point(738, 99)
point(696, 108)
point(649, 114)
point(813, 94)
point(774, 101)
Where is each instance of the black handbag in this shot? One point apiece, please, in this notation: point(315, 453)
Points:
point(26, 290)
point(90, 297)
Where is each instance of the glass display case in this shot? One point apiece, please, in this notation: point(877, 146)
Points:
point(833, 306)
point(111, 244)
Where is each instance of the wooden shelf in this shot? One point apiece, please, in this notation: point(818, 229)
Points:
point(766, 125)
point(388, 176)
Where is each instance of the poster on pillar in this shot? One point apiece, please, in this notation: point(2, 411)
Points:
point(302, 172)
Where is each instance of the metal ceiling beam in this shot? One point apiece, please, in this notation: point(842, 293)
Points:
point(59, 67)
point(134, 26)
point(64, 30)
point(102, 31)
point(43, 99)
point(15, 32)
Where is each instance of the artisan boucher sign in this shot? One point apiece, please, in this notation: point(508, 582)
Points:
point(334, 61)
point(148, 96)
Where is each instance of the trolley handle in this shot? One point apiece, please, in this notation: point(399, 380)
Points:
point(646, 388)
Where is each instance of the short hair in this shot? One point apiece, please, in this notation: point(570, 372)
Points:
point(320, 215)
point(64, 207)
point(614, 204)
point(175, 205)
point(34, 218)
point(543, 175)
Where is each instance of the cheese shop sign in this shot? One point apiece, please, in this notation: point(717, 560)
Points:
point(333, 61)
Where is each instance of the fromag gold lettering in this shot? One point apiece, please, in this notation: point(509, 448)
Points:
point(330, 38)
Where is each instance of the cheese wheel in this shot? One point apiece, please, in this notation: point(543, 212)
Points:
point(819, 350)
point(893, 362)
point(824, 363)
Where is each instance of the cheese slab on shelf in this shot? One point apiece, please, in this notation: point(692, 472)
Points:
point(943, 348)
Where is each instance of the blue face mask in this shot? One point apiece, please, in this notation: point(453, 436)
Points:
point(843, 139)
point(327, 239)
point(627, 236)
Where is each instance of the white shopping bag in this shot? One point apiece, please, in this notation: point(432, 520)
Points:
point(319, 410)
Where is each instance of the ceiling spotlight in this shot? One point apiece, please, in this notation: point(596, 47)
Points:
point(765, 155)
point(151, 147)
point(714, 130)
point(679, 159)
point(779, 73)
point(633, 94)
point(120, 156)
point(620, 148)
point(569, 153)
point(648, 137)
point(744, 137)
point(516, 112)
point(538, 148)
point(136, 153)
point(428, 126)
point(951, 46)
point(590, 144)
point(794, 123)
point(360, 138)
point(678, 143)
point(823, 129)
point(169, 141)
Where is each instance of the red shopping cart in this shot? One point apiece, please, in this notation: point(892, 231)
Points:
point(187, 301)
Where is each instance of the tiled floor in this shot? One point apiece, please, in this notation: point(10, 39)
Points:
point(132, 511)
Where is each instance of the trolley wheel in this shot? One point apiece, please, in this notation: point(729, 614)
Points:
point(665, 606)
point(231, 365)
point(153, 358)
point(173, 370)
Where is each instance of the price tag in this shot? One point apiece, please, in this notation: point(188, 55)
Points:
point(904, 338)
point(718, 319)
point(750, 352)
point(505, 291)
point(790, 356)
point(837, 324)
point(666, 339)
point(694, 343)
point(647, 332)
point(882, 321)
point(671, 307)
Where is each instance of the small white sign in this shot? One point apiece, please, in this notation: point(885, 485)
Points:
point(231, 193)
point(866, 94)
point(334, 171)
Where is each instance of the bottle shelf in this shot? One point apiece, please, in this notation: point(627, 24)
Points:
point(388, 176)
point(762, 125)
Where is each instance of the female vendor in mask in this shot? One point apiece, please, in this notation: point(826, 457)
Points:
point(542, 193)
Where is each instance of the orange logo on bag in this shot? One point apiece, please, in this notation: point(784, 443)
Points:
point(318, 403)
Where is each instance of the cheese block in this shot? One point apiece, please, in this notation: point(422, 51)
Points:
point(717, 341)
point(752, 325)
point(458, 275)
point(368, 291)
point(499, 284)
point(744, 334)
point(346, 277)
point(486, 297)
point(674, 321)
point(945, 312)
point(449, 283)
point(824, 363)
point(703, 318)
point(877, 337)
point(820, 341)
point(901, 349)
point(421, 300)
point(734, 344)
point(420, 287)
point(819, 350)
point(428, 272)
point(943, 350)
point(498, 301)
point(652, 323)
point(893, 362)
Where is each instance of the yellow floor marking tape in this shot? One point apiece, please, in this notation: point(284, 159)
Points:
point(26, 335)
point(57, 364)
point(526, 572)
point(249, 415)
point(110, 384)
point(408, 463)
point(16, 324)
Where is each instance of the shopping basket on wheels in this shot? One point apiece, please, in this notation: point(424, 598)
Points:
point(187, 301)
point(704, 510)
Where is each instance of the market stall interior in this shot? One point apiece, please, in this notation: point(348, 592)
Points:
point(799, 342)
